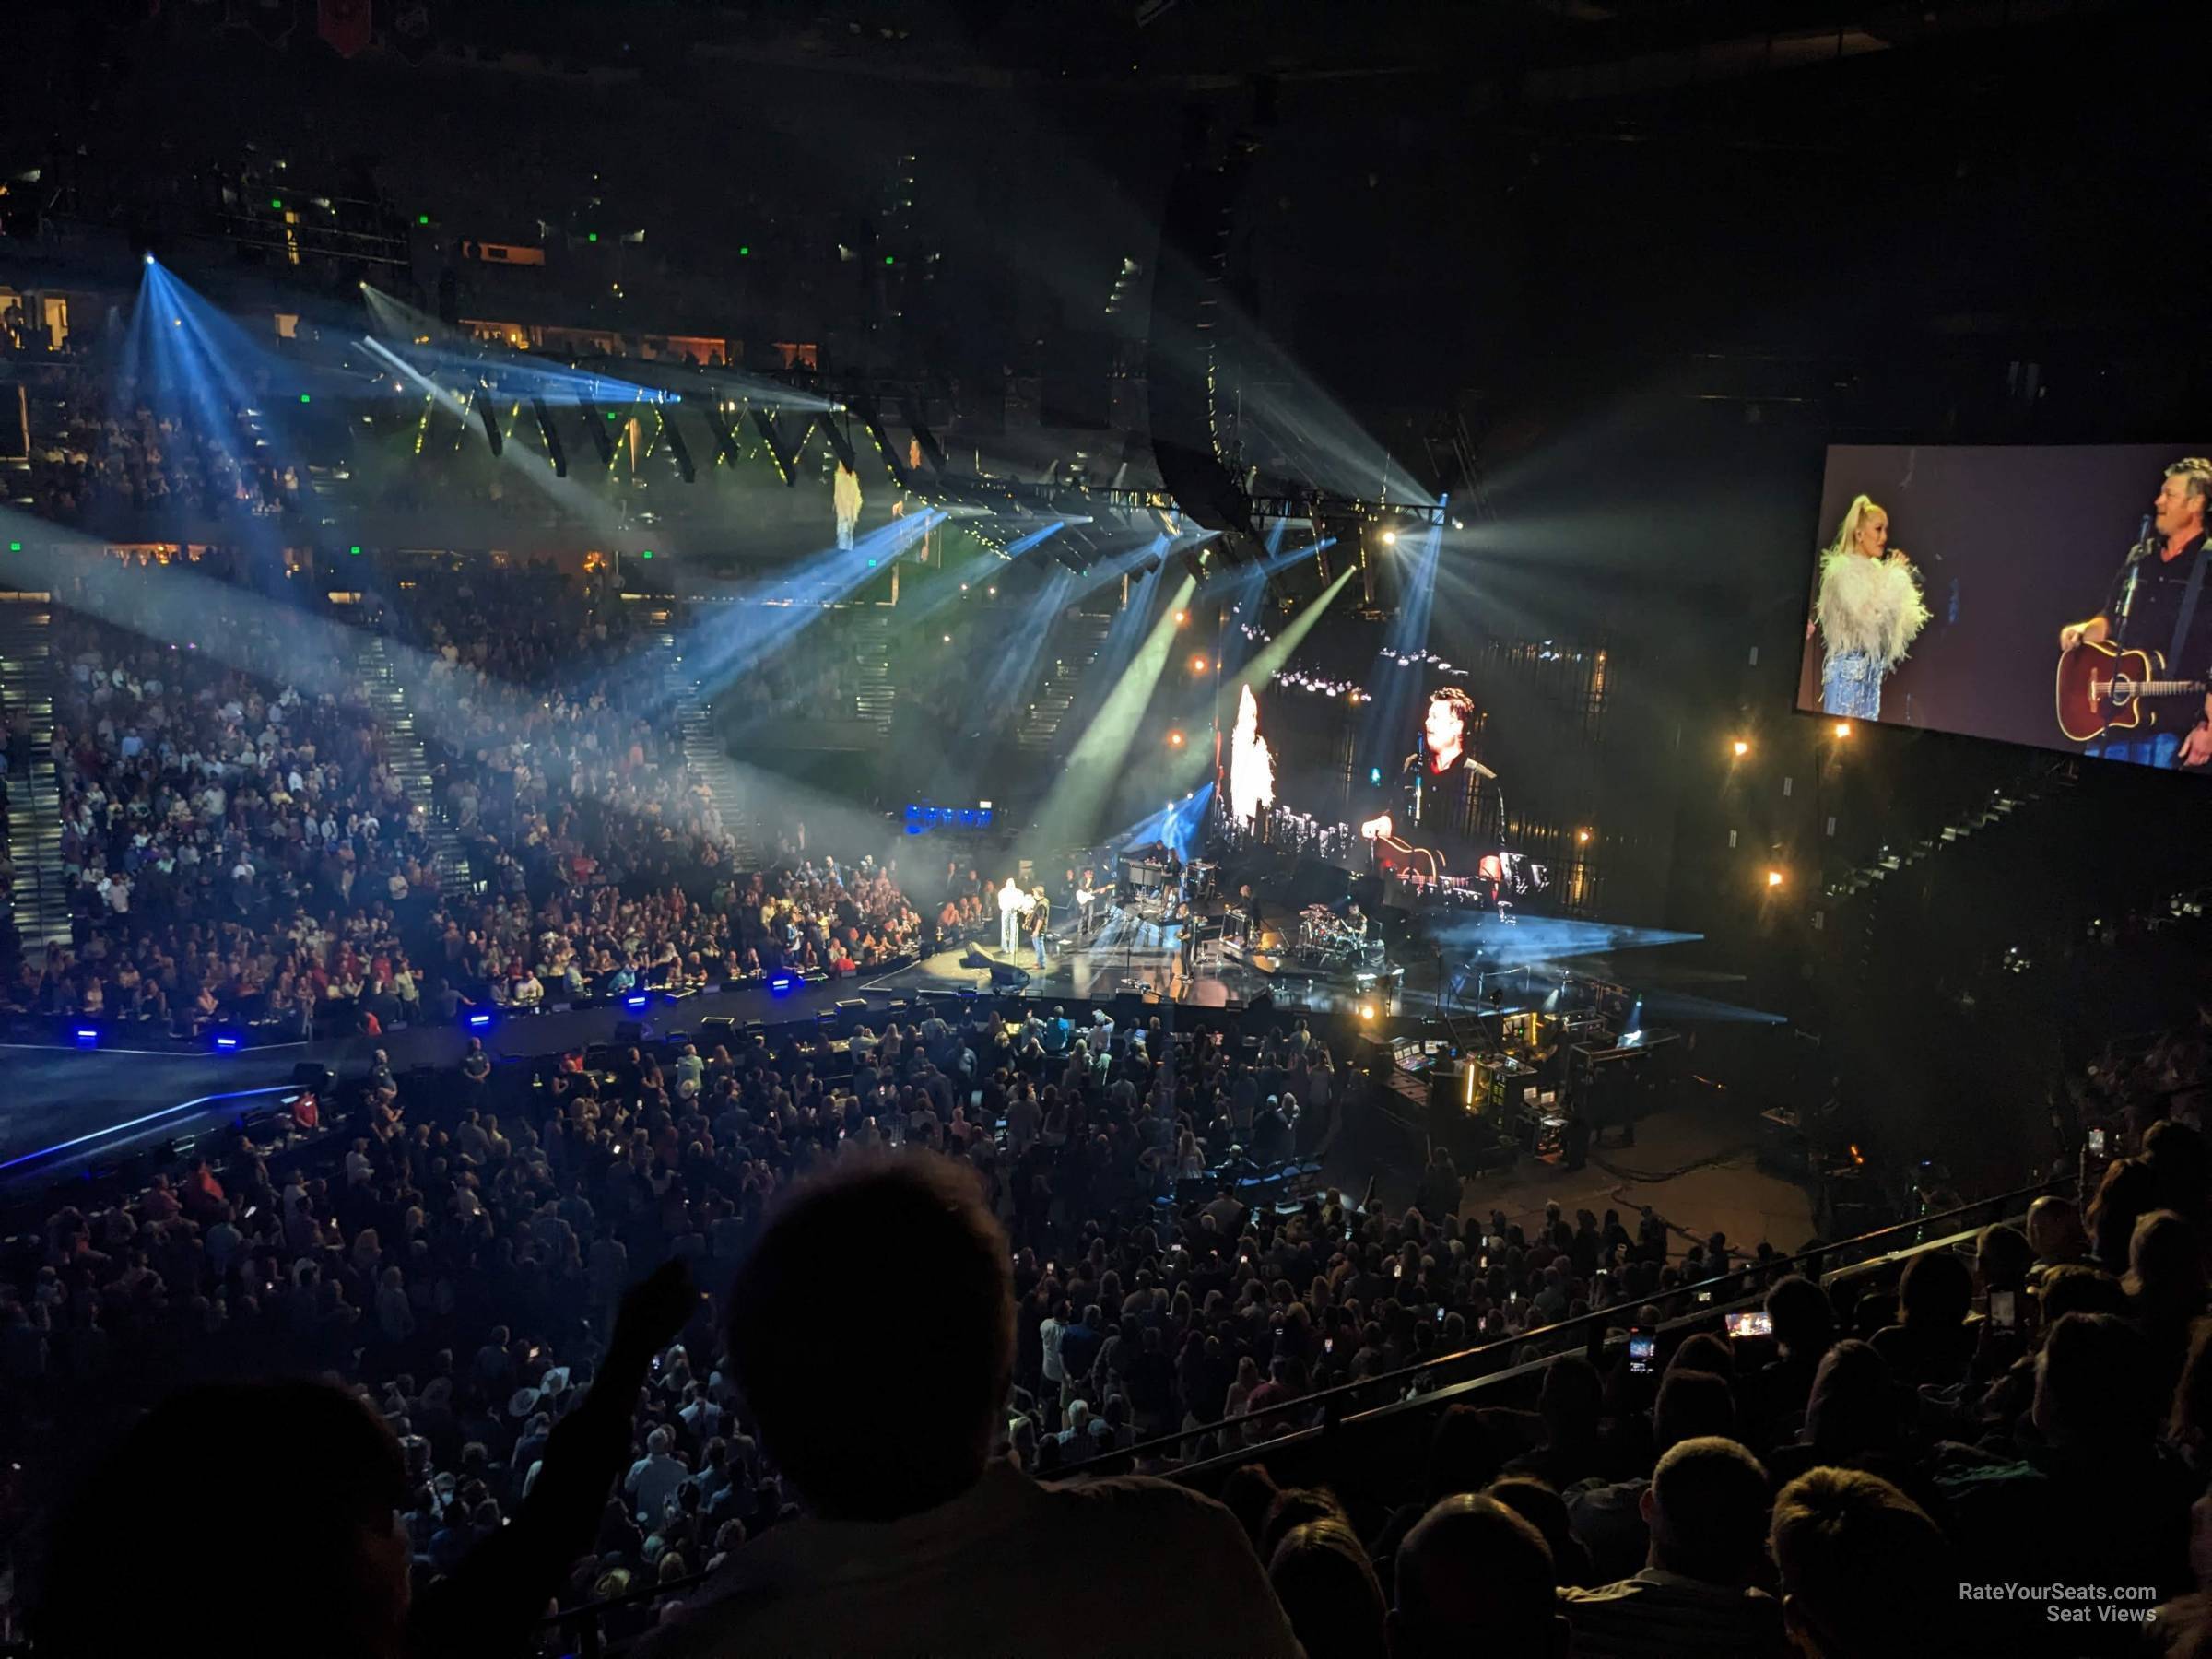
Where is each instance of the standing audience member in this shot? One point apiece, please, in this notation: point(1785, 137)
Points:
point(922, 1542)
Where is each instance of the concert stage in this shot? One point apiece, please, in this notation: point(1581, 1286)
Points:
point(72, 1109)
point(1099, 972)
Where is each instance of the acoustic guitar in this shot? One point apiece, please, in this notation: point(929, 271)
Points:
point(2101, 687)
point(1394, 853)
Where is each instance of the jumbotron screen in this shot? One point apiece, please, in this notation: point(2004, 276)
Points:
point(2052, 596)
point(1436, 830)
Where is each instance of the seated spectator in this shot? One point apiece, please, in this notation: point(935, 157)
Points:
point(1707, 1511)
point(1805, 1327)
point(2098, 1502)
point(1329, 1592)
point(343, 1591)
point(1607, 1517)
point(1866, 1575)
point(1931, 1343)
point(2054, 1232)
point(1473, 1581)
point(921, 1542)
point(1570, 1407)
point(2165, 1285)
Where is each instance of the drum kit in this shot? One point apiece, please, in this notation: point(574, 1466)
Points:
point(1328, 941)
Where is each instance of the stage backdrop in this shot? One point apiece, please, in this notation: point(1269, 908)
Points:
point(2011, 543)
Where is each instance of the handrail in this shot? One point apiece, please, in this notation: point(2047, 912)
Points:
point(588, 1615)
point(1332, 1399)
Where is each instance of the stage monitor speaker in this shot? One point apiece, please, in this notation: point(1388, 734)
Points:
point(718, 1026)
point(975, 961)
point(315, 1075)
point(629, 1032)
point(1005, 976)
point(852, 1005)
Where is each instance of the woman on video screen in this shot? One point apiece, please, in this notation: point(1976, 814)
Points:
point(1868, 612)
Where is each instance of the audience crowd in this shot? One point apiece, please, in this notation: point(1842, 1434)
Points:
point(242, 849)
point(455, 1254)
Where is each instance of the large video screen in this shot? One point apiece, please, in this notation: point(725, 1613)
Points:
point(2052, 597)
point(1436, 828)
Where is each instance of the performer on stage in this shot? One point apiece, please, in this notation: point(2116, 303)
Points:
point(2154, 604)
point(1041, 916)
point(1087, 897)
point(1869, 611)
point(1012, 901)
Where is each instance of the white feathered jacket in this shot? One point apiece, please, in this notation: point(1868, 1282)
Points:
point(1869, 605)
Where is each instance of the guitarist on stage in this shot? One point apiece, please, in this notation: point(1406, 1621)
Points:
point(2158, 604)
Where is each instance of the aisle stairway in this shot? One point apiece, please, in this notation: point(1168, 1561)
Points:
point(403, 748)
point(1075, 646)
point(704, 751)
point(872, 651)
point(29, 679)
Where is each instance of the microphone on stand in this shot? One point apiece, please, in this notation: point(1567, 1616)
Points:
point(2135, 557)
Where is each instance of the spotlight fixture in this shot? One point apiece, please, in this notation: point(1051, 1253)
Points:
point(1774, 878)
point(1180, 618)
point(1741, 748)
point(1581, 838)
point(1174, 739)
point(1197, 665)
point(1843, 728)
point(1389, 538)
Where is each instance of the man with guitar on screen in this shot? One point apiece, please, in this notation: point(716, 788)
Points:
point(2120, 680)
point(1440, 785)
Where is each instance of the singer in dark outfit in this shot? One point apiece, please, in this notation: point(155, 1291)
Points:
point(2157, 603)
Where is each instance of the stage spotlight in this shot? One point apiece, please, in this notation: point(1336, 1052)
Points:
point(1366, 1011)
point(1180, 618)
point(1174, 739)
point(1389, 538)
point(1843, 728)
point(1197, 665)
point(1741, 748)
point(1774, 878)
point(1581, 838)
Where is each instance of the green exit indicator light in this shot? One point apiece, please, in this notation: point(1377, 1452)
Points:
point(15, 547)
point(278, 203)
point(355, 552)
point(305, 399)
point(592, 236)
point(647, 554)
point(890, 259)
point(746, 250)
point(422, 219)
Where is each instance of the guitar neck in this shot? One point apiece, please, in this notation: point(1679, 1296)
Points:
point(2167, 688)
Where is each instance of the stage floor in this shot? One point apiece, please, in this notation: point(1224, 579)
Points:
point(1095, 971)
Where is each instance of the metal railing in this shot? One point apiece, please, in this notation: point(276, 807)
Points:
point(1420, 1383)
